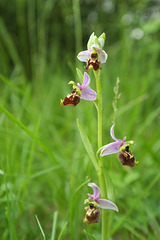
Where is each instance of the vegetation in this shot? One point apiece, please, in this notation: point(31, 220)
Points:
point(44, 168)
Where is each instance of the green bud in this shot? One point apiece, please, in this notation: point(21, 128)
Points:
point(92, 40)
point(102, 39)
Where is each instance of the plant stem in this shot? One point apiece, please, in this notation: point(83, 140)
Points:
point(102, 183)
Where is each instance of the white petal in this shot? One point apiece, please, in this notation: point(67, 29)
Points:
point(103, 56)
point(86, 81)
point(107, 204)
point(88, 94)
point(84, 56)
point(111, 148)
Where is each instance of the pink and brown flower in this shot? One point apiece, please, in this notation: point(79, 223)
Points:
point(95, 55)
point(80, 92)
point(119, 146)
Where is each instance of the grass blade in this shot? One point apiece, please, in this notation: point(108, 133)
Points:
point(62, 231)
point(35, 175)
point(54, 225)
point(40, 227)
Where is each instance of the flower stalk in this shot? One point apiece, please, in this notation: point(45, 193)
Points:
point(103, 187)
point(97, 75)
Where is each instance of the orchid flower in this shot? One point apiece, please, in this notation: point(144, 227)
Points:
point(87, 93)
point(113, 147)
point(80, 92)
point(102, 203)
point(119, 146)
point(93, 212)
point(95, 55)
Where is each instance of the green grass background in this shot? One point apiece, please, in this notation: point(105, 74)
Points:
point(44, 168)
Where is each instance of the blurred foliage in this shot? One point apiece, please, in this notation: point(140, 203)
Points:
point(39, 41)
point(44, 29)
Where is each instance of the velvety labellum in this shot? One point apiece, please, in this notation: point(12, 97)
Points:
point(71, 100)
point(92, 215)
point(126, 157)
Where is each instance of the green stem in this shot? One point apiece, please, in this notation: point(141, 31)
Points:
point(99, 106)
point(102, 183)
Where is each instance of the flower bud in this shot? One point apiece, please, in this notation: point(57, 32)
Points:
point(91, 41)
point(102, 39)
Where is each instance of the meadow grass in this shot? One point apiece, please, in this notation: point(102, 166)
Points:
point(44, 168)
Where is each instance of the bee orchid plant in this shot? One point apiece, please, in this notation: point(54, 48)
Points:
point(94, 57)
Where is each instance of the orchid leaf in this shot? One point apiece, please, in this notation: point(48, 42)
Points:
point(88, 146)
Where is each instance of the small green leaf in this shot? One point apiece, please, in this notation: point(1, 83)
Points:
point(80, 75)
point(88, 146)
